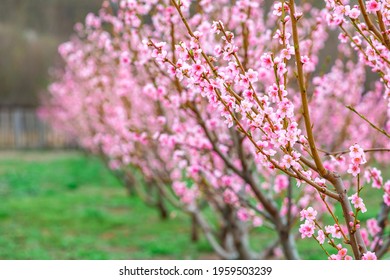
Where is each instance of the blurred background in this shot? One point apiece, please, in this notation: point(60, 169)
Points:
point(30, 32)
point(55, 201)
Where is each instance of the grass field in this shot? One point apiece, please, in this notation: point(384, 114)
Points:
point(69, 206)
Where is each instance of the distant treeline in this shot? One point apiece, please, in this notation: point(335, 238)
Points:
point(30, 31)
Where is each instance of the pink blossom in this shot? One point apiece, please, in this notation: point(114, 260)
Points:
point(257, 222)
point(307, 229)
point(216, 26)
point(252, 76)
point(305, 59)
point(278, 9)
point(243, 214)
point(373, 6)
point(230, 197)
point(357, 202)
point(386, 199)
point(342, 253)
point(355, 151)
point(321, 237)
point(369, 256)
point(281, 183)
point(198, 69)
point(287, 52)
point(335, 230)
point(266, 60)
point(308, 214)
point(375, 175)
point(179, 188)
point(125, 58)
point(354, 13)
point(386, 196)
point(354, 170)
point(373, 227)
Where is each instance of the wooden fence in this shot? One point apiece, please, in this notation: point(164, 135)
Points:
point(20, 128)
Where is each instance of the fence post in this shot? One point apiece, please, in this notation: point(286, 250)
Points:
point(20, 127)
point(17, 119)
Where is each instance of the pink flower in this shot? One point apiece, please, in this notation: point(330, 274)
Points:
point(369, 256)
point(334, 257)
point(358, 202)
point(215, 27)
point(376, 176)
point(158, 52)
point(373, 227)
point(273, 92)
point(387, 187)
point(230, 197)
point(307, 229)
point(287, 52)
point(281, 69)
point(243, 214)
point(288, 161)
point(198, 69)
point(353, 169)
point(218, 51)
point(354, 13)
point(278, 9)
point(252, 76)
point(125, 58)
point(373, 6)
point(281, 183)
point(243, 81)
point(257, 222)
point(386, 199)
point(334, 230)
point(245, 106)
point(282, 37)
point(319, 181)
point(356, 40)
point(342, 252)
point(305, 59)
point(266, 60)
point(309, 214)
point(248, 93)
point(321, 237)
point(355, 151)
point(386, 196)
point(189, 196)
point(343, 38)
point(179, 188)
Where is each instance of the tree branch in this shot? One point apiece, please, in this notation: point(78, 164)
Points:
point(305, 105)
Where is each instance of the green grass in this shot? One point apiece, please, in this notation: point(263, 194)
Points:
point(69, 206)
point(56, 205)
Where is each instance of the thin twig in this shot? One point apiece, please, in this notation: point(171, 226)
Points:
point(339, 153)
point(369, 122)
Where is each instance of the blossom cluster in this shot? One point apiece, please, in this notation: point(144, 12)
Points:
point(365, 27)
point(307, 229)
point(358, 158)
point(224, 106)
